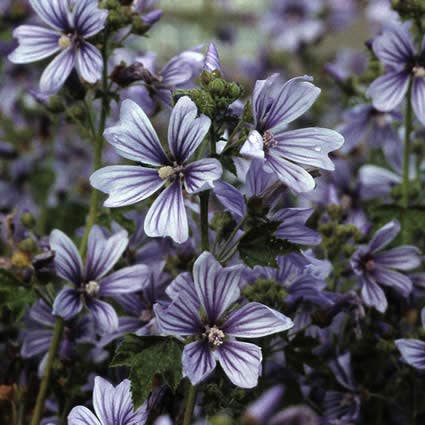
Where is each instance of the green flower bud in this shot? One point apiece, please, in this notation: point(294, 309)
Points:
point(138, 26)
point(27, 220)
point(217, 87)
point(27, 245)
point(234, 91)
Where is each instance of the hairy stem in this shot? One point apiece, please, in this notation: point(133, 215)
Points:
point(190, 404)
point(205, 241)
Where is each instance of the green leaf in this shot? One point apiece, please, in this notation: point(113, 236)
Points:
point(148, 357)
point(259, 246)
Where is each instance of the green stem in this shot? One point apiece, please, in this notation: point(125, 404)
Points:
point(205, 241)
point(230, 239)
point(42, 392)
point(406, 156)
point(190, 404)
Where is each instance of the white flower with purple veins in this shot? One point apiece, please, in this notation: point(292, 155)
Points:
point(200, 310)
point(134, 138)
point(91, 282)
point(288, 153)
point(71, 22)
point(112, 406)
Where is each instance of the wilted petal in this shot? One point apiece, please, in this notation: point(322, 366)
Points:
point(104, 315)
point(308, 146)
point(412, 351)
point(186, 130)
point(389, 90)
point(167, 215)
point(67, 304)
point(58, 70)
point(88, 18)
point(36, 342)
point(53, 12)
point(128, 279)
point(102, 253)
point(198, 361)
point(217, 287)
point(384, 236)
point(67, 259)
point(126, 184)
point(418, 98)
point(241, 362)
point(398, 281)
point(134, 137)
point(89, 62)
point(373, 295)
point(402, 258)
point(255, 320)
point(253, 146)
point(35, 43)
point(80, 415)
point(200, 175)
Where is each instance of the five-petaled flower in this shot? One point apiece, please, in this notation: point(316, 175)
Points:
point(71, 23)
point(134, 138)
point(286, 153)
point(90, 282)
point(200, 310)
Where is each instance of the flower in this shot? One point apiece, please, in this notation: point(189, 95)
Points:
point(395, 49)
point(214, 289)
point(286, 152)
point(90, 282)
point(112, 405)
point(375, 268)
point(134, 138)
point(71, 23)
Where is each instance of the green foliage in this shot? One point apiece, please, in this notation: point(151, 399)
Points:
point(266, 291)
point(148, 357)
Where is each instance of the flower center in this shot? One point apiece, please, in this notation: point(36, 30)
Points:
point(146, 315)
point(92, 287)
point(214, 336)
point(167, 171)
point(418, 71)
point(268, 140)
point(370, 265)
point(64, 41)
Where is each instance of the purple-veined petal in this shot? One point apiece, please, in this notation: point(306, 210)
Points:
point(398, 281)
point(293, 175)
point(42, 313)
point(53, 12)
point(418, 98)
point(175, 73)
point(403, 258)
point(58, 70)
point(88, 19)
point(36, 342)
point(183, 283)
point(389, 90)
point(217, 287)
point(126, 184)
point(412, 351)
point(103, 253)
point(200, 175)
point(89, 62)
point(212, 59)
point(180, 318)
point(198, 361)
point(104, 315)
point(35, 43)
point(167, 215)
point(67, 259)
point(241, 362)
point(255, 320)
point(231, 198)
point(308, 146)
point(134, 137)
point(373, 295)
point(103, 398)
point(67, 304)
point(186, 130)
point(253, 146)
point(394, 47)
point(384, 236)
point(257, 180)
point(80, 415)
point(128, 279)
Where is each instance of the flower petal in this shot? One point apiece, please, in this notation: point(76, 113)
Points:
point(35, 43)
point(217, 287)
point(200, 175)
point(88, 19)
point(231, 198)
point(167, 215)
point(373, 295)
point(134, 137)
point(212, 59)
point(241, 362)
point(418, 99)
point(67, 259)
point(412, 351)
point(403, 258)
point(89, 62)
point(80, 415)
point(384, 236)
point(175, 73)
point(126, 184)
point(198, 361)
point(186, 130)
point(53, 12)
point(254, 146)
point(104, 315)
point(67, 304)
point(58, 70)
point(36, 342)
point(128, 279)
point(255, 320)
point(103, 398)
point(398, 281)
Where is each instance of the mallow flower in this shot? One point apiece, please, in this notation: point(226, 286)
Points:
point(288, 153)
point(112, 406)
point(134, 138)
point(91, 281)
point(404, 66)
point(70, 24)
point(376, 267)
point(200, 311)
